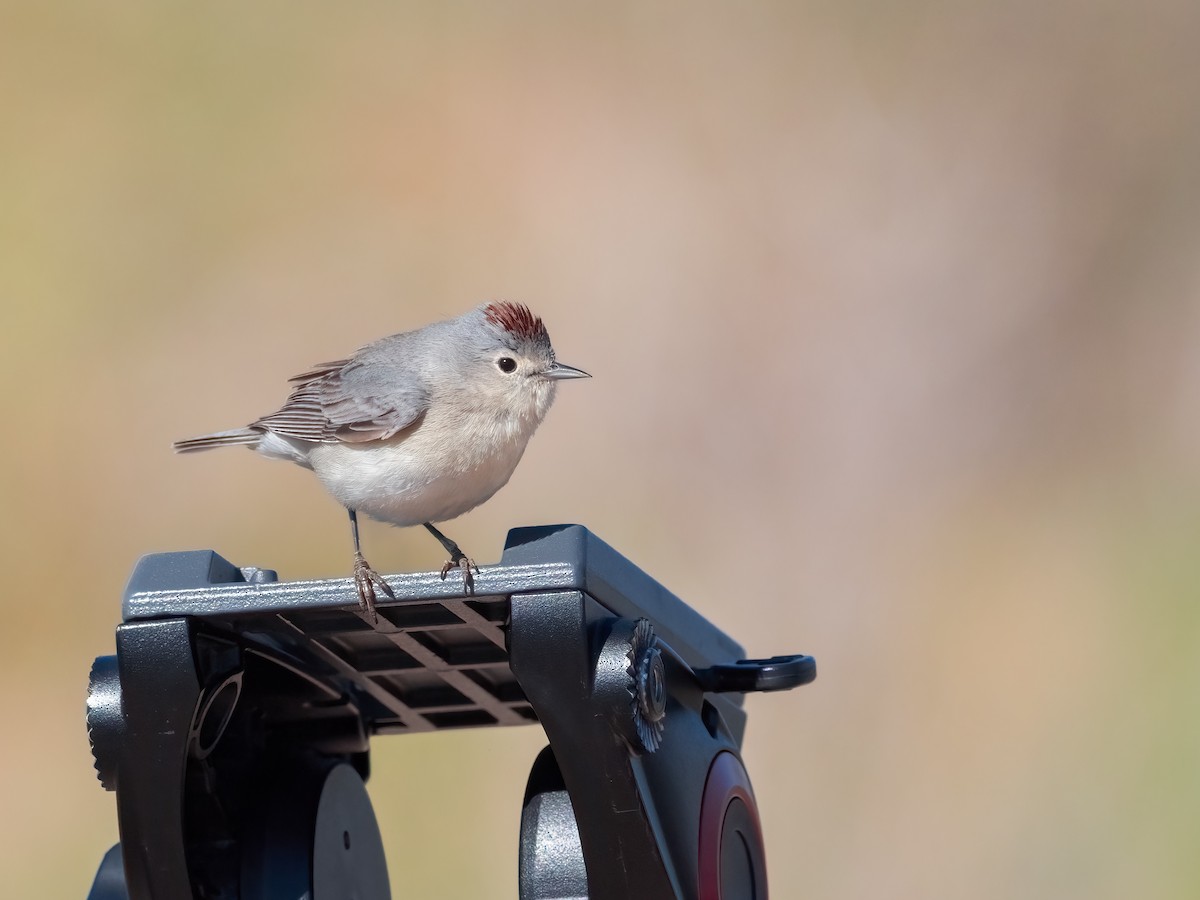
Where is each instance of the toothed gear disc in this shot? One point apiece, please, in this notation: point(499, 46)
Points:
point(649, 686)
point(104, 721)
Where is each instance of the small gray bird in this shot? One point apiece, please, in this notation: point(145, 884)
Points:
point(418, 427)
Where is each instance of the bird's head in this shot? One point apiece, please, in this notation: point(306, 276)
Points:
point(513, 365)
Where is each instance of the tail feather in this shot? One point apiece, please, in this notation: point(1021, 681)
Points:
point(235, 437)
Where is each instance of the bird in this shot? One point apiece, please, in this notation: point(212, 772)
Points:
point(416, 428)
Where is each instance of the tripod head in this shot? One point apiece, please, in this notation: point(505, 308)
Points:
point(234, 724)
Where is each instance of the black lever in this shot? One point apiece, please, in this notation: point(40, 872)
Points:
point(779, 673)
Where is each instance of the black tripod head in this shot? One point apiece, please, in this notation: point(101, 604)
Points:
point(234, 724)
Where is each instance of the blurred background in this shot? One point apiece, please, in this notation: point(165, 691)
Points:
point(894, 317)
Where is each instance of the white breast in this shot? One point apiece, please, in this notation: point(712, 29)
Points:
point(437, 472)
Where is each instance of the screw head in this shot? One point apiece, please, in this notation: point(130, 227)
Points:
point(652, 685)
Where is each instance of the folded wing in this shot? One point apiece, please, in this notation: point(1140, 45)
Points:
point(348, 401)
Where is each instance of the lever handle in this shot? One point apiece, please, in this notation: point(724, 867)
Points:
point(779, 673)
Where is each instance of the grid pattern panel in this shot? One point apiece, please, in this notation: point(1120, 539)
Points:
point(423, 666)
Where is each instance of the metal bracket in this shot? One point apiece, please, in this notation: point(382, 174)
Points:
point(238, 710)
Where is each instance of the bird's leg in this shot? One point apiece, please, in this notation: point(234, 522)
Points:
point(457, 558)
point(366, 579)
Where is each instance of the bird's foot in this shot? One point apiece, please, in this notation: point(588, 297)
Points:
point(367, 581)
point(466, 564)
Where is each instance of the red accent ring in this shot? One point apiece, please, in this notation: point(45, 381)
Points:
point(727, 781)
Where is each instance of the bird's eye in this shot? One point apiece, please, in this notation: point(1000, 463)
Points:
point(507, 364)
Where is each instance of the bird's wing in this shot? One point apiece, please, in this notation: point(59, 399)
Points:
point(348, 401)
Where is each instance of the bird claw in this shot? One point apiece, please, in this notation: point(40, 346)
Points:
point(366, 582)
point(466, 565)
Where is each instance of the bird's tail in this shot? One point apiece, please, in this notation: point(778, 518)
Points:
point(246, 437)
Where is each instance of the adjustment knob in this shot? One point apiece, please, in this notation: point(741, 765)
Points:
point(105, 722)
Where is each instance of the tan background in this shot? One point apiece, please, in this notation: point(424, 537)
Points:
point(893, 309)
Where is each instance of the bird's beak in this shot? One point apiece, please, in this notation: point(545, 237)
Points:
point(559, 371)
